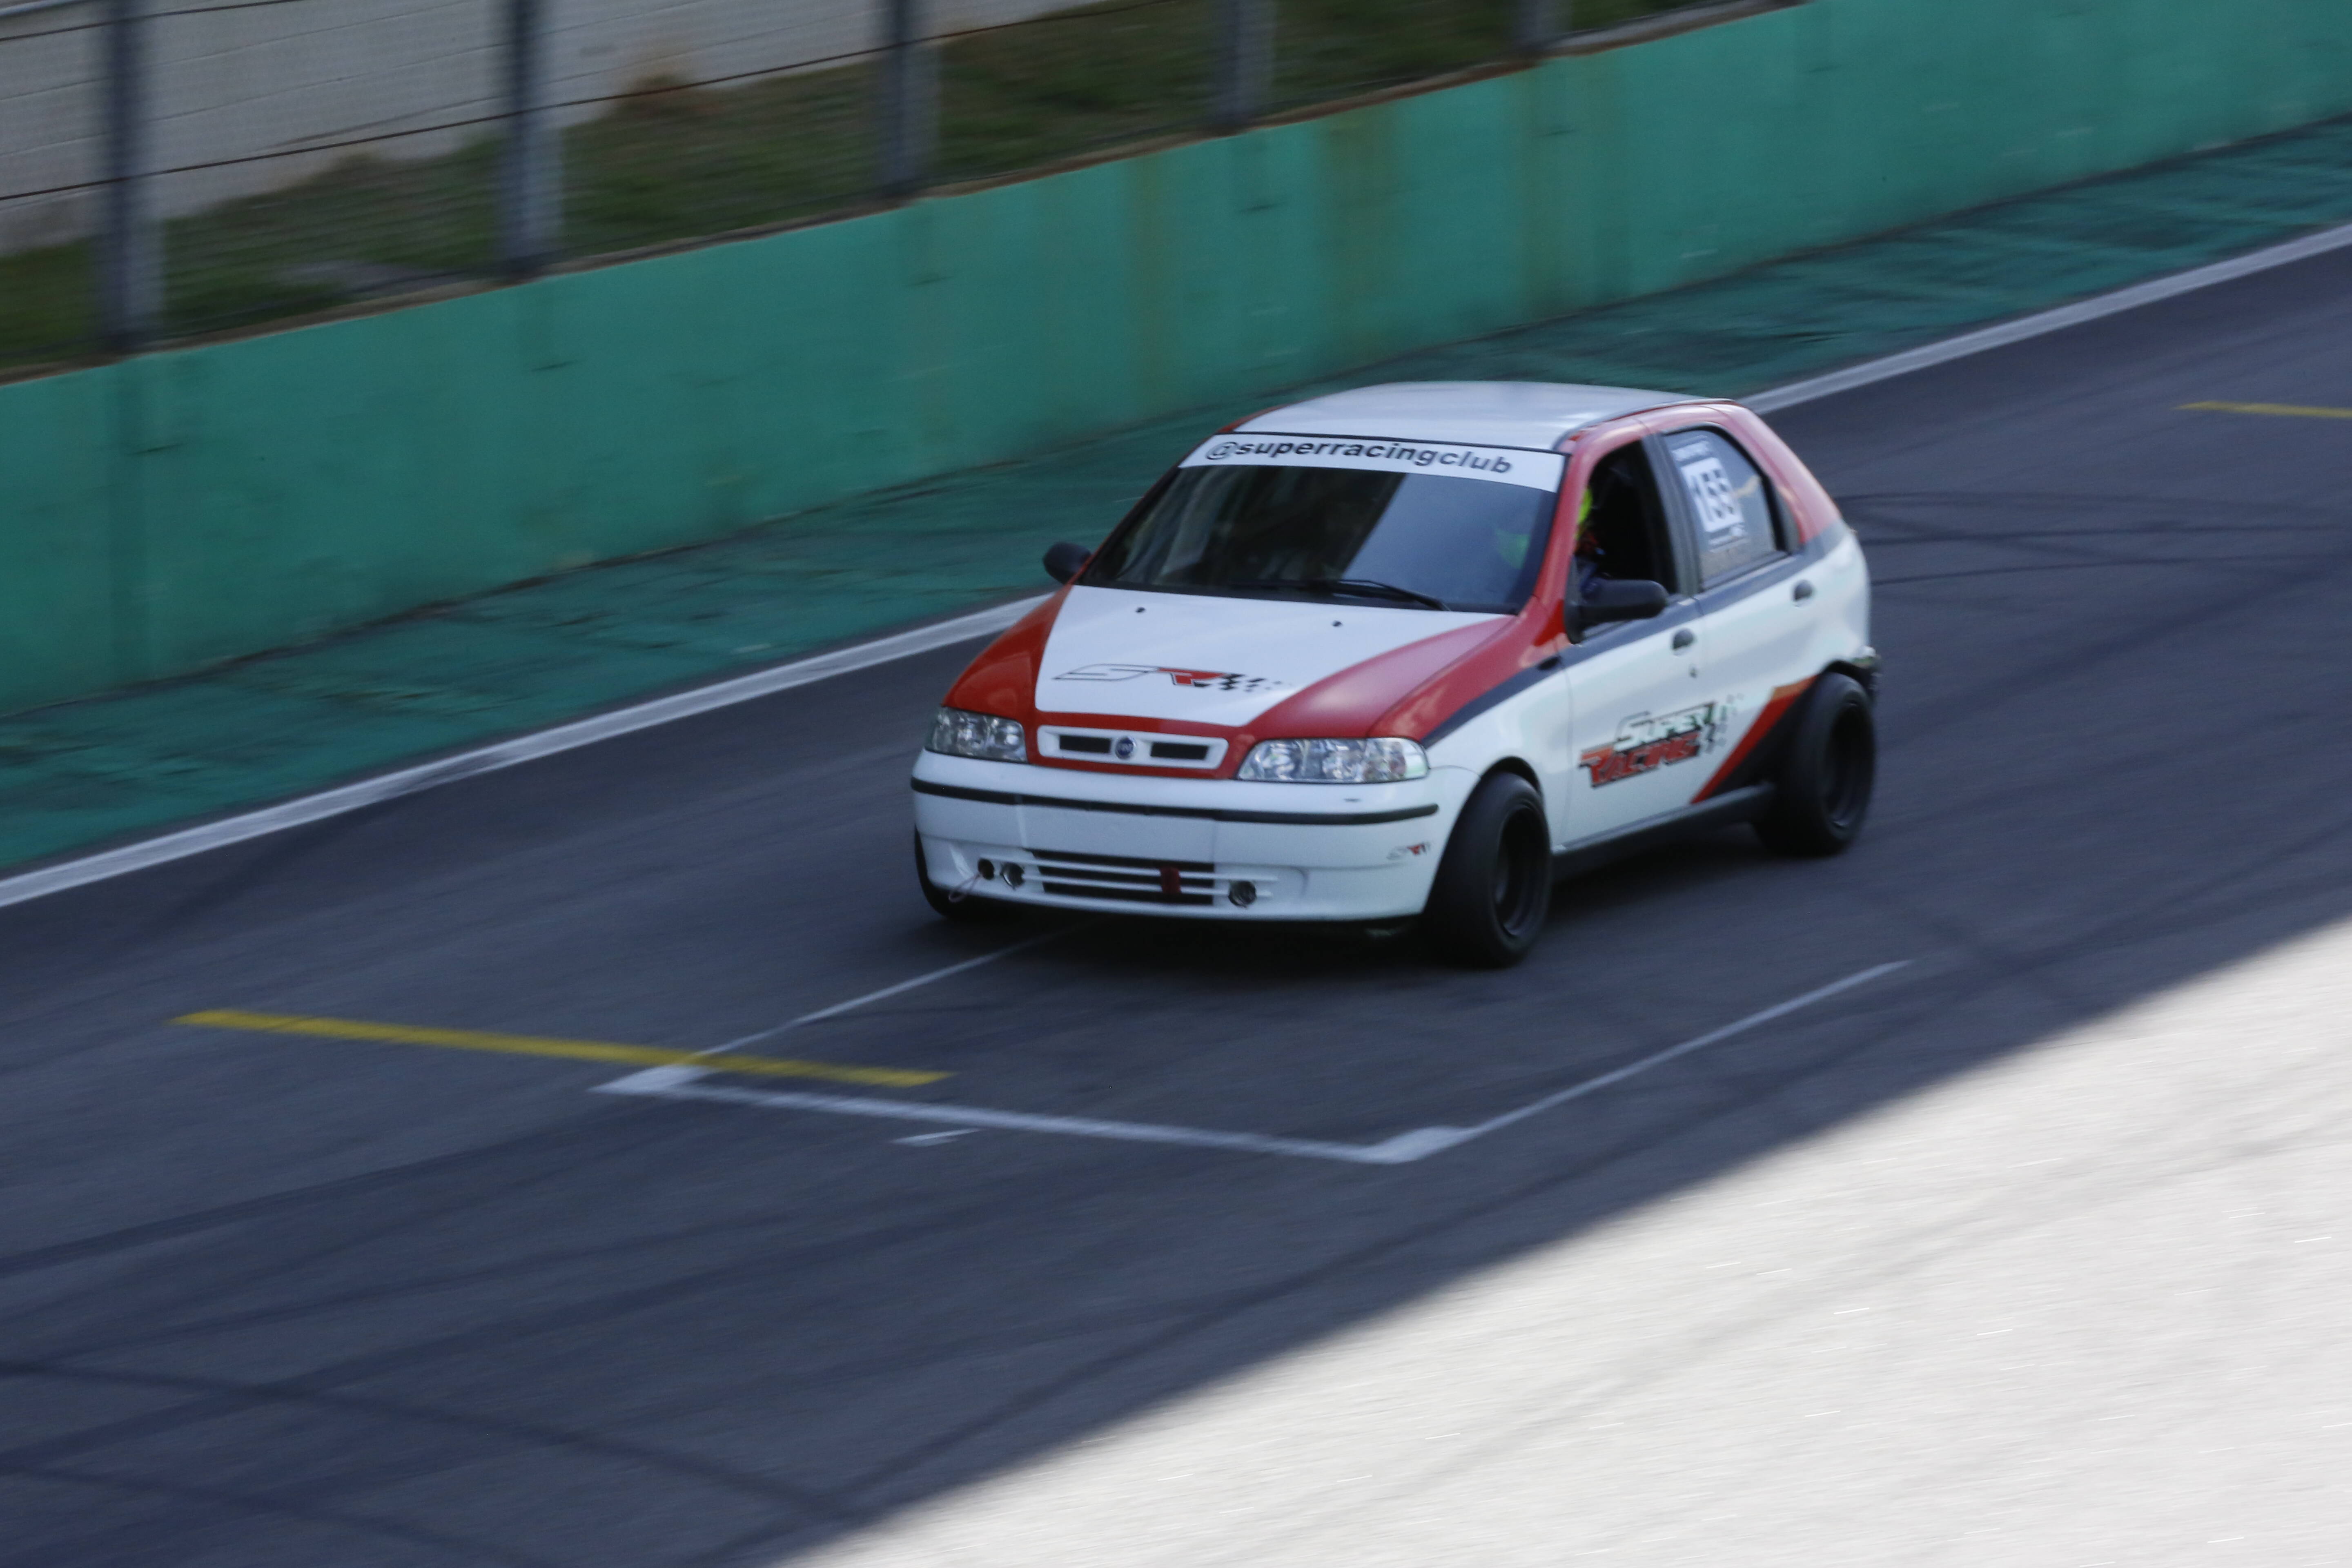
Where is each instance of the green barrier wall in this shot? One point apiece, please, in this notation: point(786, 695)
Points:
point(164, 512)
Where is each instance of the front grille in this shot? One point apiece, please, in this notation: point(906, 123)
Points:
point(1122, 878)
point(1131, 748)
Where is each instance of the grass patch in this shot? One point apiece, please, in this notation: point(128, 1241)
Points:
point(675, 163)
point(48, 302)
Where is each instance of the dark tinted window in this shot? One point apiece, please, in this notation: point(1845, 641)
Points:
point(1472, 544)
point(1730, 506)
point(1623, 529)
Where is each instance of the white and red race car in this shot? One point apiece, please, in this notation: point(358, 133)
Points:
point(1414, 651)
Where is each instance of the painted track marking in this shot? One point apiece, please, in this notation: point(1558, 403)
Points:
point(541, 1046)
point(887, 991)
point(2282, 410)
point(305, 809)
point(1660, 1059)
point(683, 1081)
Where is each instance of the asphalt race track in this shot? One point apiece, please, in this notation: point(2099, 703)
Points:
point(298, 1299)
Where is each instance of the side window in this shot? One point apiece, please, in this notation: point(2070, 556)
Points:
point(1730, 504)
point(1621, 528)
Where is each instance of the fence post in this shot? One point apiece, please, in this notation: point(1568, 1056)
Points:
point(530, 163)
point(910, 95)
point(1539, 24)
point(131, 260)
point(1245, 61)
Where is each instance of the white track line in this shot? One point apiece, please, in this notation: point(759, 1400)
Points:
point(681, 1083)
point(2046, 322)
point(505, 755)
point(742, 689)
point(686, 1083)
point(1660, 1059)
point(887, 991)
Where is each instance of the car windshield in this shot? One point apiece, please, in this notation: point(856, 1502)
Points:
point(1410, 540)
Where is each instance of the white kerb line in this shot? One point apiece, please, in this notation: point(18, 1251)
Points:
point(683, 1082)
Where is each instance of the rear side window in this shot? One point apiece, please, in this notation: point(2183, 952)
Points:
point(1730, 505)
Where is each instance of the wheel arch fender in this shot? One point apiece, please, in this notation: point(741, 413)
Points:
point(1511, 764)
point(1758, 754)
point(1861, 672)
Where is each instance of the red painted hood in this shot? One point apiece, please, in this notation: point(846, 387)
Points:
point(1243, 670)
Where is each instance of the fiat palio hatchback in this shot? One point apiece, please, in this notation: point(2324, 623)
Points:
point(1410, 652)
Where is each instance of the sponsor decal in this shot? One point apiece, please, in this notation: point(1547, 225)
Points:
point(1647, 743)
point(1197, 679)
point(1469, 457)
point(1537, 471)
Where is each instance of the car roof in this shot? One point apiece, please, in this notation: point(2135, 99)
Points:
point(1538, 414)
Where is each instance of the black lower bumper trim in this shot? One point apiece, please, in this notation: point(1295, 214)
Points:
point(1126, 895)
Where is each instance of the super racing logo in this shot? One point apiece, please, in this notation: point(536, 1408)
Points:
point(1195, 679)
point(1647, 743)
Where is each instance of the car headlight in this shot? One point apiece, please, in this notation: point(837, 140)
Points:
point(1335, 762)
point(961, 734)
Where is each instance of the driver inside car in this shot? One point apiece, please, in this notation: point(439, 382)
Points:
point(1613, 529)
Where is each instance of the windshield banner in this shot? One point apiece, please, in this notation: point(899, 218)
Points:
point(1503, 465)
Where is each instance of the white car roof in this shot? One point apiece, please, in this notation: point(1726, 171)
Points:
point(1537, 413)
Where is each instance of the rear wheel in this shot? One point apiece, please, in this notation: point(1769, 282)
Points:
point(1823, 782)
point(1493, 889)
point(951, 903)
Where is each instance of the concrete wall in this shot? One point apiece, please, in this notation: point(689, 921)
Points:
point(270, 82)
point(213, 501)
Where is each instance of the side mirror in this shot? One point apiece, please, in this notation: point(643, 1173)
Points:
point(1065, 561)
point(1608, 599)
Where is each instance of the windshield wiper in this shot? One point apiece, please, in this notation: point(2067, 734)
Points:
point(1364, 587)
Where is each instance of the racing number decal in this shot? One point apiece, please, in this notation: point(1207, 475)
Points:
point(1713, 496)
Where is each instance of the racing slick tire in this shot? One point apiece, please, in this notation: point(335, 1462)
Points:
point(952, 904)
point(1493, 889)
point(1824, 779)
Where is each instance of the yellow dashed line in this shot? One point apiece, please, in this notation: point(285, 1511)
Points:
point(2286, 410)
point(539, 1046)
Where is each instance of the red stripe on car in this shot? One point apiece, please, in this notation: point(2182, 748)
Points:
point(1775, 708)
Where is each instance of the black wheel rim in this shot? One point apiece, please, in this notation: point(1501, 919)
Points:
point(1846, 769)
point(1521, 863)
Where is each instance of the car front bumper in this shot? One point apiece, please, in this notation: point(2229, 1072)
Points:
point(1196, 848)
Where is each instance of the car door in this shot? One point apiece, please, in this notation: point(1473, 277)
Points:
point(1753, 601)
point(1636, 687)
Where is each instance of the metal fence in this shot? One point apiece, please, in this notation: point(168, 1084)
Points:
point(170, 167)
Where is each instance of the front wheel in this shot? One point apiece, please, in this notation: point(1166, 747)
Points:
point(1823, 782)
point(1493, 886)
